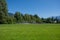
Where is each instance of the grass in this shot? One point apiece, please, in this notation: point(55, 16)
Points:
point(30, 32)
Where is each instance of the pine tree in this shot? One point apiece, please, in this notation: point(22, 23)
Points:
point(3, 12)
point(18, 17)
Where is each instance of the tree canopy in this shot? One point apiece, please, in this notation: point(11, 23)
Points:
point(18, 17)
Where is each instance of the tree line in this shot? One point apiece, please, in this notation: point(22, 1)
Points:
point(17, 17)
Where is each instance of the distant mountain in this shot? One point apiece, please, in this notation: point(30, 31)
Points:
point(58, 17)
point(10, 14)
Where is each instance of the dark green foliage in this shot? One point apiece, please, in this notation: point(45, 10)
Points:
point(9, 18)
point(27, 18)
point(3, 12)
point(37, 19)
point(18, 17)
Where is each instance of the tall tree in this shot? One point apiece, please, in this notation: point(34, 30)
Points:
point(37, 18)
point(27, 18)
point(3, 12)
point(18, 17)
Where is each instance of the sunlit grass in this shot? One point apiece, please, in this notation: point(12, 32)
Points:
point(30, 32)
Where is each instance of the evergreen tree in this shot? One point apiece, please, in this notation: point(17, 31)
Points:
point(27, 18)
point(3, 12)
point(37, 19)
point(18, 17)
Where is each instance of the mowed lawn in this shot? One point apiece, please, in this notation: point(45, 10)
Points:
point(30, 32)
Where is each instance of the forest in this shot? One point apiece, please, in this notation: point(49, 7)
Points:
point(18, 17)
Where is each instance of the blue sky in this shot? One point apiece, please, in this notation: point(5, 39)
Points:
point(43, 8)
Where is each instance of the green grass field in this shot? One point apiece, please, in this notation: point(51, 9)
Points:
point(30, 32)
